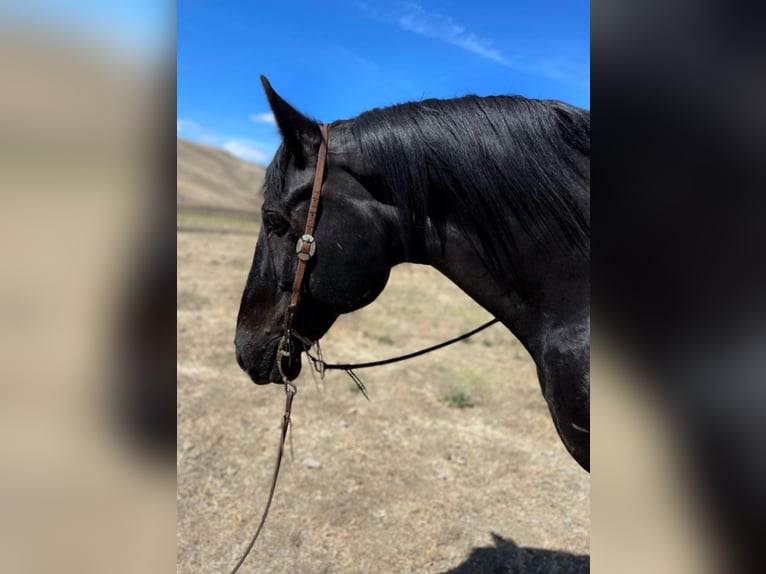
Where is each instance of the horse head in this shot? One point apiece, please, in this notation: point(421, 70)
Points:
point(353, 249)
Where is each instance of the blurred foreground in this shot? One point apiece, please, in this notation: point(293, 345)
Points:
point(87, 381)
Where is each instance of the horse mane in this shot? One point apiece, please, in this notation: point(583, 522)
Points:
point(497, 167)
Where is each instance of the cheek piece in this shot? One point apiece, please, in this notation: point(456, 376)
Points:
point(304, 250)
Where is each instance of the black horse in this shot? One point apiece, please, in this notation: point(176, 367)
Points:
point(494, 192)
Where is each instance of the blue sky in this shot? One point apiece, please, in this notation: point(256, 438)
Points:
point(333, 59)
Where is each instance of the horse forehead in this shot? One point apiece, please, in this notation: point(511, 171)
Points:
point(298, 184)
point(291, 187)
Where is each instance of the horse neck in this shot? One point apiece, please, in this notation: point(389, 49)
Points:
point(457, 260)
point(556, 280)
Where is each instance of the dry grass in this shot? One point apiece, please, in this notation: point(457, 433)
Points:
point(406, 483)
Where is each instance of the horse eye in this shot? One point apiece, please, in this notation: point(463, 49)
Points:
point(274, 222)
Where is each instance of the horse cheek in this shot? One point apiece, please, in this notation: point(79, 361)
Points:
point(349, 284)
point(376, 285)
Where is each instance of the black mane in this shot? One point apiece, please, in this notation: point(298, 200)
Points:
point(496, 166)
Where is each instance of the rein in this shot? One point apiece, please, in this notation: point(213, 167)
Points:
point(304, 250)
point(320, 365)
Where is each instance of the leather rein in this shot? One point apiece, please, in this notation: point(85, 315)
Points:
point(304, 250)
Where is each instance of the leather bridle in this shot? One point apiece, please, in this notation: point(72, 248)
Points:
point(304, 250)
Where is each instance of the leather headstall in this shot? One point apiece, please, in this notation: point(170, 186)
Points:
point(304, 250)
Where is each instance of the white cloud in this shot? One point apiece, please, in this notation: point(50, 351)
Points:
point(263, 118)
point(255, 152)
point(195, 132)
point(443, 28)
point(187, 126)
point(248, 151)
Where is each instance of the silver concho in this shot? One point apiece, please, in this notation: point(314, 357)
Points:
point(308, 240)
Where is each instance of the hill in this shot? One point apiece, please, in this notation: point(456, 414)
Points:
point(211, 178)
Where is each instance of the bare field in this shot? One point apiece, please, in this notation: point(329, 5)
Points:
point(406, 482)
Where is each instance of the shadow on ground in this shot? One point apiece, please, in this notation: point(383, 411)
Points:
point(505, 557)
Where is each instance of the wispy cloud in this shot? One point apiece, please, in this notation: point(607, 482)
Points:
point(249, 151)
point(433, 25)
point(411, 17)
point(263, 118)
point(187, 126)
point(194, 131)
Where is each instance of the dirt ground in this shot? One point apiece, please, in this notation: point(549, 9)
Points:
point(407, 482)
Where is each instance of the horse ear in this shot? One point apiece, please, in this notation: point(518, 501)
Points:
point(300, 133)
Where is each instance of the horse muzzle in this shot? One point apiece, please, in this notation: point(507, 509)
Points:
point(270, 363)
